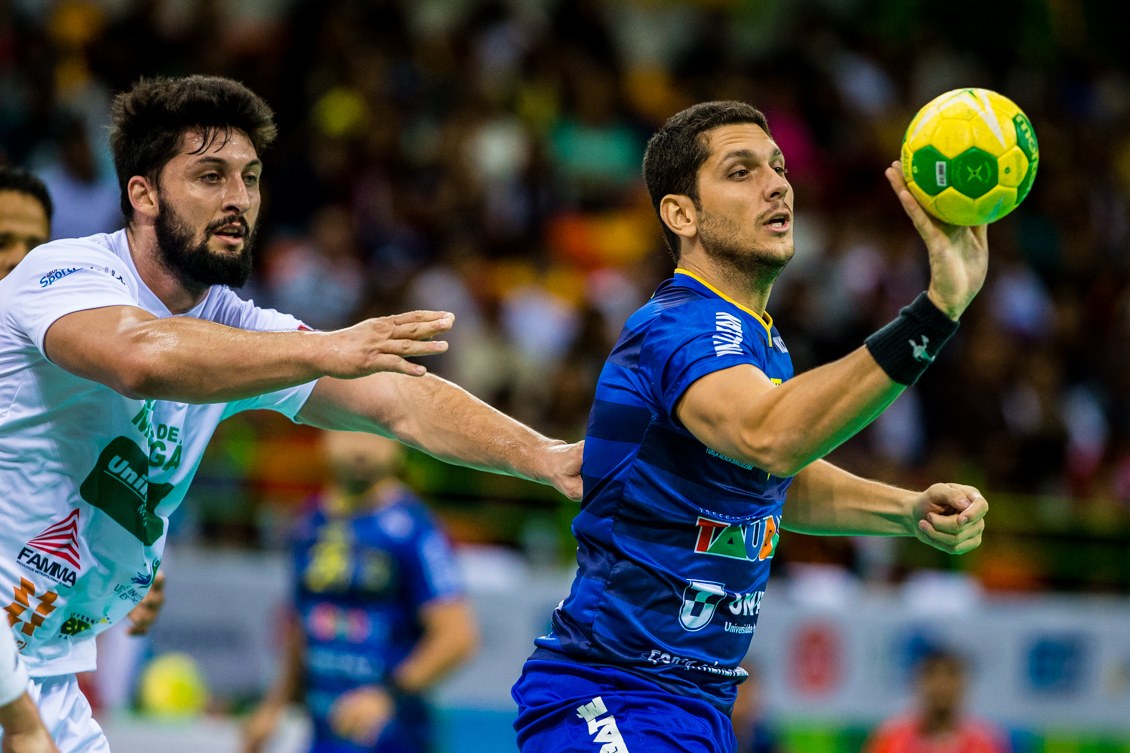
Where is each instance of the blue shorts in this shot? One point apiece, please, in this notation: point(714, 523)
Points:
point(572, 708)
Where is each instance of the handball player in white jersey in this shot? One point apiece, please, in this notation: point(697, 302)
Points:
point(120, 353)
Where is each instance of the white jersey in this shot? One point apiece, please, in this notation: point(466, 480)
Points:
point(89, 477)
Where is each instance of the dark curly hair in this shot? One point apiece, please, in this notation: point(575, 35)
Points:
point(150, 120)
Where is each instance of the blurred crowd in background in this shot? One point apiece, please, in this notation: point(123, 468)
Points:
point(483, 158)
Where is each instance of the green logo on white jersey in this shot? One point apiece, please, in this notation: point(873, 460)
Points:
point(119, 486)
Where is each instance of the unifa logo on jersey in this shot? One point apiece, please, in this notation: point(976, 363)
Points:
point(22, 616)
point(753, 542)
point(701, 599)
point(602, 726)
point(727, 334)
point(54, 553)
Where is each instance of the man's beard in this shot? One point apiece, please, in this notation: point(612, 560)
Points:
point(722, 241)
point(196, 266)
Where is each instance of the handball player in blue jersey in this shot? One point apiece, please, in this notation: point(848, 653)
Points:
point(380, 614)
point(702, 446)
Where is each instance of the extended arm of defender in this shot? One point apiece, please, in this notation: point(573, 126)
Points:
point(824, 499)
point(195, 361)
point(447, 422)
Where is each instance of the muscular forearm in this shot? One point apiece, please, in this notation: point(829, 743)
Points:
point(824, 499)
point(435, 416)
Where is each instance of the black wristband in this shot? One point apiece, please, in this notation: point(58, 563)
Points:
point(906, 346)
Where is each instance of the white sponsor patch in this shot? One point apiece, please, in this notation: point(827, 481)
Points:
point(727, 335)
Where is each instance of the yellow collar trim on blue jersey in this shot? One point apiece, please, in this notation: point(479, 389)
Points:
point(765, 319)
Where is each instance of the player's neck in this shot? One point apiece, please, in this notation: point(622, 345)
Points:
point(751, 294)
point(164, 284)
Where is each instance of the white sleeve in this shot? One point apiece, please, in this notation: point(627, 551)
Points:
point(13, 672)
point(61, 278)
point(230, 309)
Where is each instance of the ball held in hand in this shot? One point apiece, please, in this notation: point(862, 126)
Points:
point(969, 156)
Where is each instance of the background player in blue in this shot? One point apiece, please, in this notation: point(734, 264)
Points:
point(701, 445)
point(379, 615)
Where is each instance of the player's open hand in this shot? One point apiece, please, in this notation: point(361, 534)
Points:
point(950, 517)
point(959, 255)
point(362, 714)
point(385, 344)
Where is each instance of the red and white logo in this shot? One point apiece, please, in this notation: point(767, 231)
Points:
point(60, 540)
point(54, 553)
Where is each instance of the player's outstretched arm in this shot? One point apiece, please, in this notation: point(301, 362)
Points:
point(447, 422)
point(195, 361)
point(827, 500)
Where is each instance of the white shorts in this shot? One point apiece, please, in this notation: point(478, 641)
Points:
point(67, 714)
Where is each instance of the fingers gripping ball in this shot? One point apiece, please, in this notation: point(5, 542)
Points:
point(969, 156)
point(172, 685)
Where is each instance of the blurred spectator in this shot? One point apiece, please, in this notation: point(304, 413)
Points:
point(938, 721)
point(83, 184)
point(25, 215)
point(319, 276)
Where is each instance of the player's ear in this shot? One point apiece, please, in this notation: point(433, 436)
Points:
point(143, 196)
point(678, 213)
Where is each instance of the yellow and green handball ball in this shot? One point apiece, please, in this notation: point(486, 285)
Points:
point(969, 156)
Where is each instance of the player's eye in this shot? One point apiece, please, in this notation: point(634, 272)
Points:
point(781, 170)
point(739, 173)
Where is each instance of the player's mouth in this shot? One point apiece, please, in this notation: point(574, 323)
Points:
point(779, 222)
point(232, 234)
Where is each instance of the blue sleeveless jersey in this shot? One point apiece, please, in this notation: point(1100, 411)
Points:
point(674, 540)
point(360, 582)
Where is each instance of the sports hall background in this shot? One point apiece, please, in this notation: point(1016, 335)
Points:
point(483, 157)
